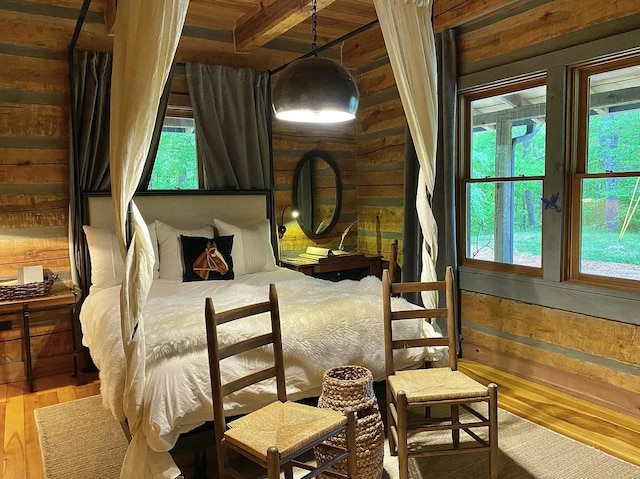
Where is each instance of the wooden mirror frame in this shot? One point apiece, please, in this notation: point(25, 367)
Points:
point(307, 157)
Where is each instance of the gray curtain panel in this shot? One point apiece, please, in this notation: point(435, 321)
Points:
point(230, 109)
point(446, 153)
point(446, 163)
point(89, 144)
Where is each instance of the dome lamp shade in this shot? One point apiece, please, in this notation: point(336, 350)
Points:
point(315, 90)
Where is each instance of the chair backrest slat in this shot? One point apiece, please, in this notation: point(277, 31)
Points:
point(420, 313)
point(246, 345)
point(419, 343)
point(449, 337)
point(416, 287)
point(242, 312)
point(245, 381)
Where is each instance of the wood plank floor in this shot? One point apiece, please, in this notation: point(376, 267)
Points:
point(610, 431)
point(21, 450)
point(599, 427)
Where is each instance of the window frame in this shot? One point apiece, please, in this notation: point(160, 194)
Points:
point(465, 98)
point(580, 75)
point(553, 289)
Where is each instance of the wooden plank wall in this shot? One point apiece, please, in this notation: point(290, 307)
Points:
point(34, 138)
point(290, 143)
point(380, 159)
point(588, 357)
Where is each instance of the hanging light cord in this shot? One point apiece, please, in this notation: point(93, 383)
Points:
point(314, 26)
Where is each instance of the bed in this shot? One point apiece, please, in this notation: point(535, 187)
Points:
point(324, 324)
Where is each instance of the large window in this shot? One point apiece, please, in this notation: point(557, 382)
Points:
point(503, 173)
point(606, 188)
point(176, 165)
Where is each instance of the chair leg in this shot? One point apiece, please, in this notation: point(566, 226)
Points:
point(390, 424)
point(273, 463)
point(455, 420)
point(403, 451)
point(350, 436)
point(288, 471)
point(221, 459)
point(493, 430)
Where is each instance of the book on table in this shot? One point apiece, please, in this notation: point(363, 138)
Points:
point(325, 254)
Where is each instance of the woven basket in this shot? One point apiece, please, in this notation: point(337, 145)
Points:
point(351, 387)
point(27, 291)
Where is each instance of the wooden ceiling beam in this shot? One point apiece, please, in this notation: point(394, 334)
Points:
point(270, 19)
point(110, 7)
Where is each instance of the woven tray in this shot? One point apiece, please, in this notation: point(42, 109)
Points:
point(27, 291)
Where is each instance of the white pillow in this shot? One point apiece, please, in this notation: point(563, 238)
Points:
point(107, 265)
point(252, 251)
point(170, 249)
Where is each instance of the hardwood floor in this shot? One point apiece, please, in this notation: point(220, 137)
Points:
point(610, 431)
point(20, 451)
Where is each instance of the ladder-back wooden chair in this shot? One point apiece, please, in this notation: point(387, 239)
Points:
point(275, 436)
point(413, 395)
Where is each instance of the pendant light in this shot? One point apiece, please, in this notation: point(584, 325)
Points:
point(315, 90)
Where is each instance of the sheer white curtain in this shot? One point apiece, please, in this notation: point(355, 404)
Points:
point(146, 37)
point(408, 36)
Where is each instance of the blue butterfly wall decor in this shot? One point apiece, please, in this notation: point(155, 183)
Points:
point(552, 203)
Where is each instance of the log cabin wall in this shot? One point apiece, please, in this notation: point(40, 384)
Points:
point(380, 143)
point(589, 356)
point(34, 149)
point(34, 173)
point(290, 143)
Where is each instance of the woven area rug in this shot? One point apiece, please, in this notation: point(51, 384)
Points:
point(80, 440)
point(526, 450)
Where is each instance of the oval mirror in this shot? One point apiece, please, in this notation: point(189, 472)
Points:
point(317, 193)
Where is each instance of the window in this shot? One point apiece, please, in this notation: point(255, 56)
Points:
point(504, 169)
point(176, 165)
point(606, 184)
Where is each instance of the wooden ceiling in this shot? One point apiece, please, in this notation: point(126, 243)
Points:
point(266, 34)
point(261, 34)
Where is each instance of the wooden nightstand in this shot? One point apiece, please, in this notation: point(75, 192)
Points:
point(336, 268)
point(60, 298)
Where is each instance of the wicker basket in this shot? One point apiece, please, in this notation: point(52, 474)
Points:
point(351, 387)
point(27, 291)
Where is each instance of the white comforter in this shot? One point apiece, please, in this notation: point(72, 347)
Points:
point(324, 325)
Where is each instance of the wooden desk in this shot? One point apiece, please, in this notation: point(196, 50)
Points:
point(59, 298)
point(336, 268)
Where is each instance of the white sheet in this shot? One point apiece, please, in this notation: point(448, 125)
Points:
point(324, 325)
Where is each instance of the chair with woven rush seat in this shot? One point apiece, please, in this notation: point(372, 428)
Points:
point(274, 436)
point(413, 395)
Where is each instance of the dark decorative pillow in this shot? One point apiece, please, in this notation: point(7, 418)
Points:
point(207, 258)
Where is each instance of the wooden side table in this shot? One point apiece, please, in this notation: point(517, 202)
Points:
point(336, 268)
point(59, 298)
